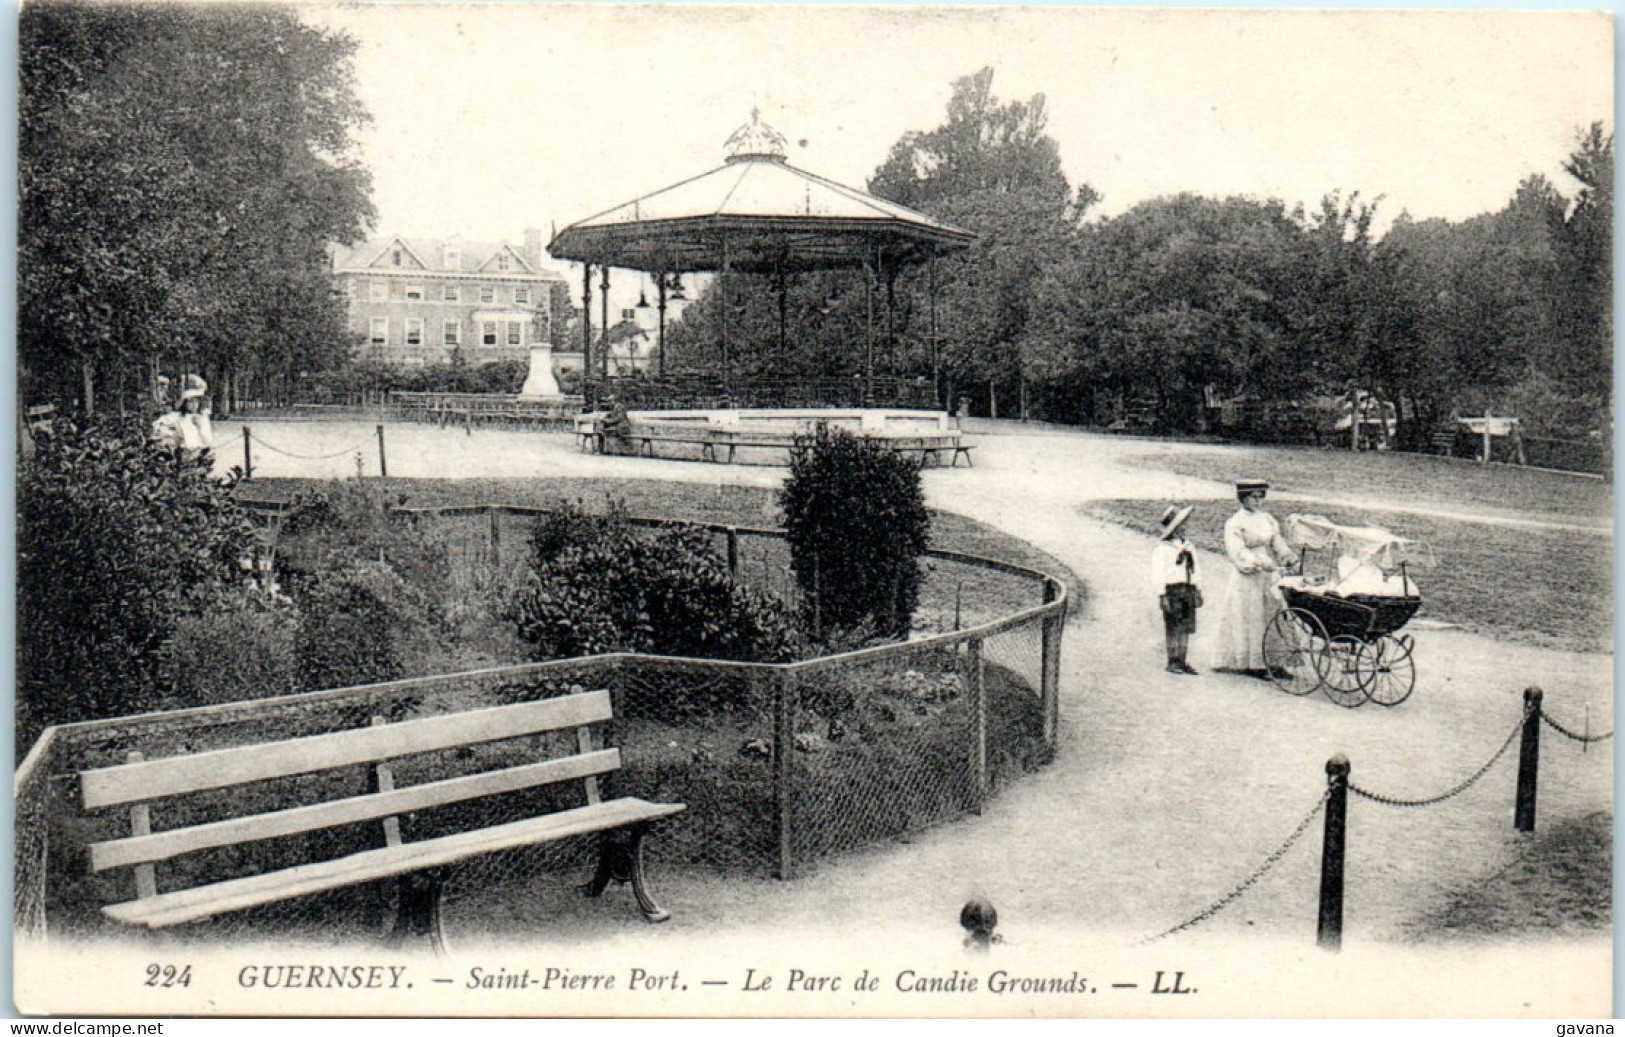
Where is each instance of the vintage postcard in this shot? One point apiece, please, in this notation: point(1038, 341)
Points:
point(668, 511)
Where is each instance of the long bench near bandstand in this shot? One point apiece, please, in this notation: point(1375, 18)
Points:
point(924, 435)
point(145, 786)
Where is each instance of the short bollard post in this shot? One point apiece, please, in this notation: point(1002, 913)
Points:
point(733, 553)
point(248, 455)
point(1329, 934)
point(383, 462)
point(1523, 812)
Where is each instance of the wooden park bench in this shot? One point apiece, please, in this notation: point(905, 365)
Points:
point(142, 786)
point(41, 418)
point(934, 452)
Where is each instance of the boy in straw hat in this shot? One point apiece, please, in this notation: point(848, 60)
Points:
point(1173, 574)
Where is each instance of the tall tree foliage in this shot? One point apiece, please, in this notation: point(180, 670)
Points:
point(181, 171)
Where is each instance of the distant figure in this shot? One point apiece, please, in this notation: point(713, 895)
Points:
point(194, 425)
point(1173, 577)
point(978, 918)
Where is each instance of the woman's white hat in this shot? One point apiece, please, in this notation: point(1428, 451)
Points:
point(196, 387)
point(1173, 518)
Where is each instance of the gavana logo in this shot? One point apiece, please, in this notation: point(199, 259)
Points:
point(1575, 1029)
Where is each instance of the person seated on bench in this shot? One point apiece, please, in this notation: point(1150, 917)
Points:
point(616, 429)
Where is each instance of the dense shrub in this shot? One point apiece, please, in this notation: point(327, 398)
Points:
point(599, 584)
point(242, 649)
point(347, 631)
point(436, 600)
point(855, 517)
point(118, 541)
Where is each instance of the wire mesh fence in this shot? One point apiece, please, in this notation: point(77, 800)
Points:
point(779, 765)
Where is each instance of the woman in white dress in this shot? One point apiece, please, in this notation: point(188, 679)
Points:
point(1254, 545)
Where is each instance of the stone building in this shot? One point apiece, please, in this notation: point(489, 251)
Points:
point(417, 301)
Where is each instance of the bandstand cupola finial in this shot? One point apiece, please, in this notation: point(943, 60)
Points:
point(756, 140)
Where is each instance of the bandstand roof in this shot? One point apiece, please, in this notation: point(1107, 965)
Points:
point(770, 213)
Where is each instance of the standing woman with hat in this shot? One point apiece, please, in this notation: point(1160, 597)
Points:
point(1254, 545)
point(1173, 576)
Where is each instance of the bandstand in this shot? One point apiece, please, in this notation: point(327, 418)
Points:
point(757, 214)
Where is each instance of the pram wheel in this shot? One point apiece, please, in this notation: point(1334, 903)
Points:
point(1387, 670)
point(1341, 671)
point(1293, 644)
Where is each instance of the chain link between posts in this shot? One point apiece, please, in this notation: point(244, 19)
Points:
point(1395, 801)
point(309, 457)
point(1566, 733)
point(1251, 880)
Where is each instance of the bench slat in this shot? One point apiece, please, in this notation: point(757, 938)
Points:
point(371, 865)
point(132, 783)
point(118, 853)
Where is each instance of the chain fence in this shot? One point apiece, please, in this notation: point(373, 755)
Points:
point(1251, 880)
point(1453, 791)
point(1587, 739)
point(356, 449)
point(1526, 786)
point(779, 765)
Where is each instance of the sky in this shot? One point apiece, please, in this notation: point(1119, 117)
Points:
point(488, 119)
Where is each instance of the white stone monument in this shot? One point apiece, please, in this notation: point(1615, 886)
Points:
point(539, 382)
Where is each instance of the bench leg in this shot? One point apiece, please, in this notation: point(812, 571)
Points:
point(621, 859)
point(418, 915)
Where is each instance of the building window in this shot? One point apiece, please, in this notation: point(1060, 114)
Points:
point(380, 291)
point(414, 292)
point(396, 257)
point(502, 261)
point(515, 332)
point(414, 331)
point(454, 258)
point(451, 293)
point(379, 335)
point(454, 332)
point(487, 293)
point(488, 332)
point(521, 296)
point(629, 315)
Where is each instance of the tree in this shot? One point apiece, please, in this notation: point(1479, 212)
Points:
point(181, 172)
point(985, 145)
point(856, 522)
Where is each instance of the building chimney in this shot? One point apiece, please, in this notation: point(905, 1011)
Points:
point(533, 246)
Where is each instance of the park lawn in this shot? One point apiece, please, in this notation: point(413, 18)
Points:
point(1551, 588)
point(1416, 480)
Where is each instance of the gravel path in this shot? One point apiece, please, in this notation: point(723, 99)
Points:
point(1166, 792)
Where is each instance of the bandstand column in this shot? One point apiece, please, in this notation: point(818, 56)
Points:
point(722, 285)
point(936, 352)
point(586, 328)
point(603, 303)
point(868, 329)
point(660, 331)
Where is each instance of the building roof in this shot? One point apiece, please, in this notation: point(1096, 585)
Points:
point(431, 255)
point(768, 211)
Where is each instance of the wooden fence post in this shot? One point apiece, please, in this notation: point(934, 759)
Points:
point(1329, 933)
point(248, 455)
point(733, 553)
point(496, 536)
point(383, 462)
point(1523, 811)
point(1049, 679)
point(975, 680)
point(784, 751)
